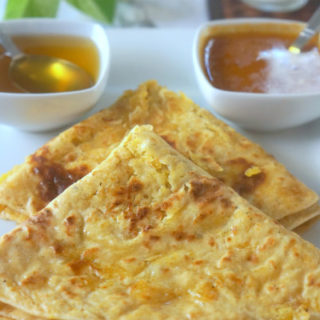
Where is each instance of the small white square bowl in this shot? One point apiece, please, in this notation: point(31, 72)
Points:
point(46, 111)
point(255, 111)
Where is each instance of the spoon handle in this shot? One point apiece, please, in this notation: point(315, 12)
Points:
point(11, 49)
point(307, 33)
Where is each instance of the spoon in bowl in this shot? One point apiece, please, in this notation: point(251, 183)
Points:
point(307, 33)
point(43, 74)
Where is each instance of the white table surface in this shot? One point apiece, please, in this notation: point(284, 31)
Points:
point(138, 55)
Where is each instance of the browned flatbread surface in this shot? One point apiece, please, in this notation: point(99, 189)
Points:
point(149, 235)
point(194, 132)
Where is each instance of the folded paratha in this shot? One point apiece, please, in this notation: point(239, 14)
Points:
point(149, 235)
point(8, 312)
point(194, 132)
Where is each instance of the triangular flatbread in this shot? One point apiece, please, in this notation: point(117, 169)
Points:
point(194, 132)
point(149, 235)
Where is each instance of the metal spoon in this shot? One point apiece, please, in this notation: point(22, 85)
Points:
point(40, 73)
point(307, 33)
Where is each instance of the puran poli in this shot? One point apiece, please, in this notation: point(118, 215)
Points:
point(9, 312)
point(295, 220)
point(194, 132)
point(149, 235)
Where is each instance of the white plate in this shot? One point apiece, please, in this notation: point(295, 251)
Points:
point(138, 55)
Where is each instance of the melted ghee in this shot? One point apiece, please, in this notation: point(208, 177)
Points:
point(78, 50)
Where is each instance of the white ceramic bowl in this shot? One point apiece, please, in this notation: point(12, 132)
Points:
point(45, 111)
point(257, 111)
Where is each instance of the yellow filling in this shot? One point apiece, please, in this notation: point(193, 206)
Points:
point(252, 171)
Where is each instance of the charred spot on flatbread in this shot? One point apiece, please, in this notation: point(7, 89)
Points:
point(240, 177)
point(53, 177)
